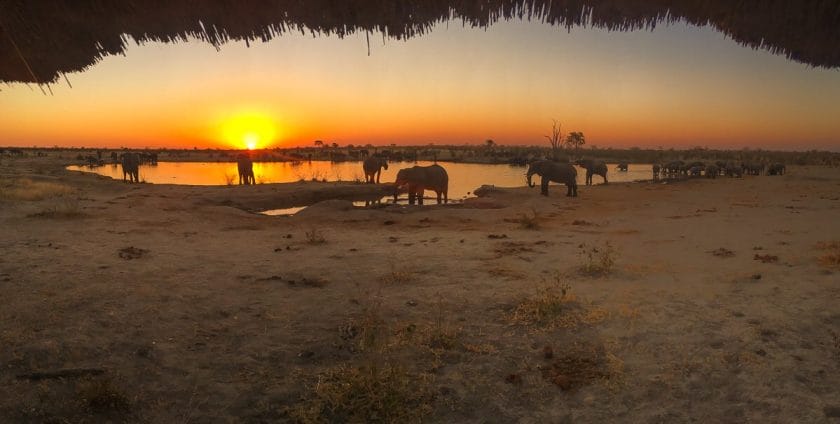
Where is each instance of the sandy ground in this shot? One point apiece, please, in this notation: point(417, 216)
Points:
point(703, 300)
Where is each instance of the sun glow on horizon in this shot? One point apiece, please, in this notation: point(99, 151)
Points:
point(249, 130)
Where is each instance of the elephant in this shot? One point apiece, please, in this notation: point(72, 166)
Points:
point(673, 168)
point(131, 167)
point(593, 167)
point(733, 170)
point(562, 173)
point(373, 168)
point(695, 171)
point(776, 169)
point(656, 169)
point(622, 167)
point(245, 166)
point(712, 171)
point(753, 168)
point(417, 179)
point(721, 166)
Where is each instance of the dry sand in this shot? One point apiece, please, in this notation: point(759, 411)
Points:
point(178, 305)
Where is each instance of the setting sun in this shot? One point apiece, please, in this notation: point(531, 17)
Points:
point(249, 131)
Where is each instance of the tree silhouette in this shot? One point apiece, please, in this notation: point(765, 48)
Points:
point(319, 143)
point(575, 140)
point(555, 139)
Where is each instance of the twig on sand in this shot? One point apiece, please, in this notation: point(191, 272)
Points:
point(63, 373)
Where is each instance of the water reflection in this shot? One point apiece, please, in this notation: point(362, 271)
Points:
point(463, 177)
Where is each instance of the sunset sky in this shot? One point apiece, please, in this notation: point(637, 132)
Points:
point(678, 86)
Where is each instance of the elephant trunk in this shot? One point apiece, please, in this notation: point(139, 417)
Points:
point(528, 180)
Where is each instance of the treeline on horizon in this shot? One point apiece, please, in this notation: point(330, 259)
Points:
point(491, 154)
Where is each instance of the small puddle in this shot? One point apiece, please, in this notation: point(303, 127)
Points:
point(385, 201)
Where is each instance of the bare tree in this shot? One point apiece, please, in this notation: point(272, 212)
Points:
point(489, 142)
point(555, 139)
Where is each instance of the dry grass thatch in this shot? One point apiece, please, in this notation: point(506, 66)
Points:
point(40, 40)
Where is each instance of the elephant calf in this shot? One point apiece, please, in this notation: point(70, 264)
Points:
point(562, 173)
point(417, 179)
point(373, 168)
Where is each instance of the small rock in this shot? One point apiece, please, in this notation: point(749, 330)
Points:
point(548, 352)
point(756, 276)
point(411, 303)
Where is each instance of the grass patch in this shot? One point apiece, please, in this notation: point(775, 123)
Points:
point(597, 261)
point(28, 190)
point(374, 393)
point(60, 208)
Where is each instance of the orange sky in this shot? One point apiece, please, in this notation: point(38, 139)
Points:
point(678, 86)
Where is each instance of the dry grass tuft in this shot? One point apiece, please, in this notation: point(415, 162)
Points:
point(28, 190)
point(100, 395)
point(767, 259)
point(374, 393)
point(722, 252)
point(831, 256)
point(578, 367)
point(396, 275)
point(229, 178)
point(314, 236)
point(554, 306)
point(529, 222)
point(550, 306)
point(368, 328)
point(597, 261)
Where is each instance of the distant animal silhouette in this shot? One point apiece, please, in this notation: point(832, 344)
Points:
point(622, 167)
point(373, 168)
point(562, 173)
point(656, 169)
point(245, 166)
point(712, 171)
point(417, 179)
point(776, 169)
point(131, 167)
point(593, 167)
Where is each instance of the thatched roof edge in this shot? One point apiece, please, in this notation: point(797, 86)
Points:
point(40, 40)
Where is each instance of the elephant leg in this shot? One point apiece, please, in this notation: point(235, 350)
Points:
point(439, 196)
point(378, 173)
point(420, 197)
point(446, 195)
point(605, 179)
point(568, 190)
point(544, 186)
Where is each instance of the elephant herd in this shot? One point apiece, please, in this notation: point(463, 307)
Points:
point(678, 169)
